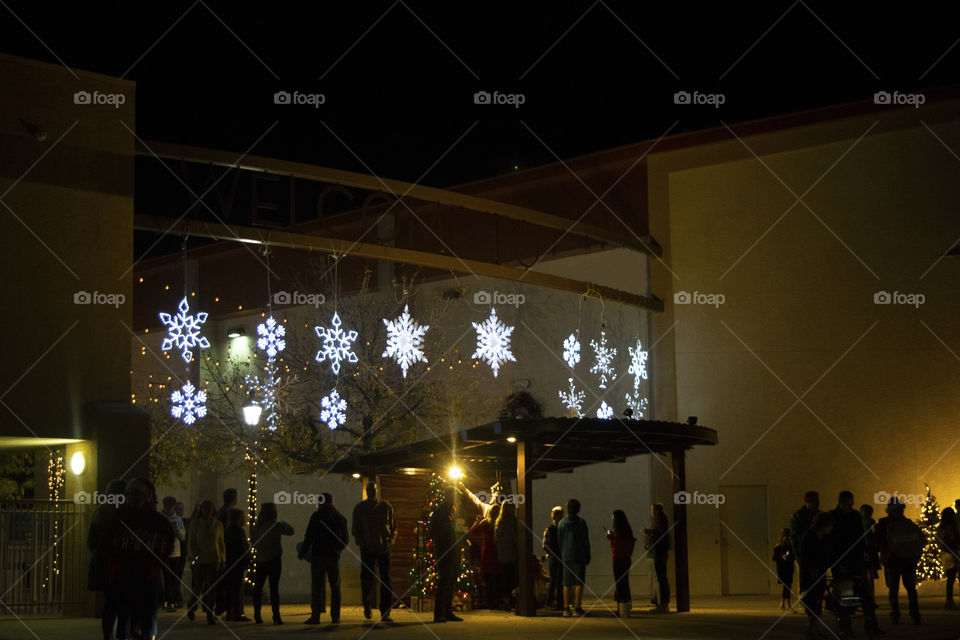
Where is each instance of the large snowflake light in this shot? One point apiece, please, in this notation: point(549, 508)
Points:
point(571, 351)
point(603, 358)
point(493, 342)
point(333, 409)
point(188, 404)
point(271, 337)
point(337, 344)
point(605, 411)
point(572, 400)
point(405, 340)
point(638, 364)
point(183, 331)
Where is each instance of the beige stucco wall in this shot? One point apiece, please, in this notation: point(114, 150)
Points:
point(799, 314)
point(68, 228)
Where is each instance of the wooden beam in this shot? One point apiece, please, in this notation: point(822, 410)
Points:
point(526, 598)
point(290, 240)
point(275, 166)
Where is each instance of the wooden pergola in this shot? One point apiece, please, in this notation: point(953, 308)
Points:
point(535, 448)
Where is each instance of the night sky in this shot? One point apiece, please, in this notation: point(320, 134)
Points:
point(399, 77)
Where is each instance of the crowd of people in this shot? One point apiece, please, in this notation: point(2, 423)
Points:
point(139, 553)
point(839, 555)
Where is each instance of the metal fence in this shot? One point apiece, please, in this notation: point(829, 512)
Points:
point(42, 557)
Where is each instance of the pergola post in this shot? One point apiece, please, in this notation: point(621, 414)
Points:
point(681, 560)
point(526, 598)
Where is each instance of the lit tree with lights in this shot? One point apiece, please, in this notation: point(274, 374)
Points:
point(930, 567)
point(396, 385)
point(423, 575)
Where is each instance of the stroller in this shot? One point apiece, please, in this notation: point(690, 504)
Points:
point(843, 601)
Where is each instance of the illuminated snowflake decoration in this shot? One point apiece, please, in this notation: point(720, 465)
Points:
point(571, 351)
point(188, 404)
point(572, 400)
point(183, 331)
point(638, 404)
point(405, 340)
point(605, 411)
point(269, 403)
point(271, 337)
point(334, 410)
point(638, 364)
point(337, 344)
point(493, 342)
point(604, 356)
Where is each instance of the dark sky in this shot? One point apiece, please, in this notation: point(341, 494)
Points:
point(594, 75)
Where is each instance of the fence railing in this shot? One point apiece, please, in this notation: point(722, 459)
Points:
point(42, 556)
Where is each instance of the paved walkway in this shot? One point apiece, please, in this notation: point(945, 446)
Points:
point(733, 618)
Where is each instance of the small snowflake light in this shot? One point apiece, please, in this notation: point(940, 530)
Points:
point(605, 411)
point(603, 357)
point(638, 364)
point(571, 351)
point(333, 410)
point(337, 344)
point(638, 404)
point(405, 340)
point(572, 400)
point(188, 404)
point(183, 331)
point(493, 342)
point(271, 337)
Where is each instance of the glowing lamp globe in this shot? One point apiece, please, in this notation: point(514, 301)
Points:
point(77, 463)
point(455, 472)
point(251, 414)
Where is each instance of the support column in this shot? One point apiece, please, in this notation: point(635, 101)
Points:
point(526, 598)
point(681, 559)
